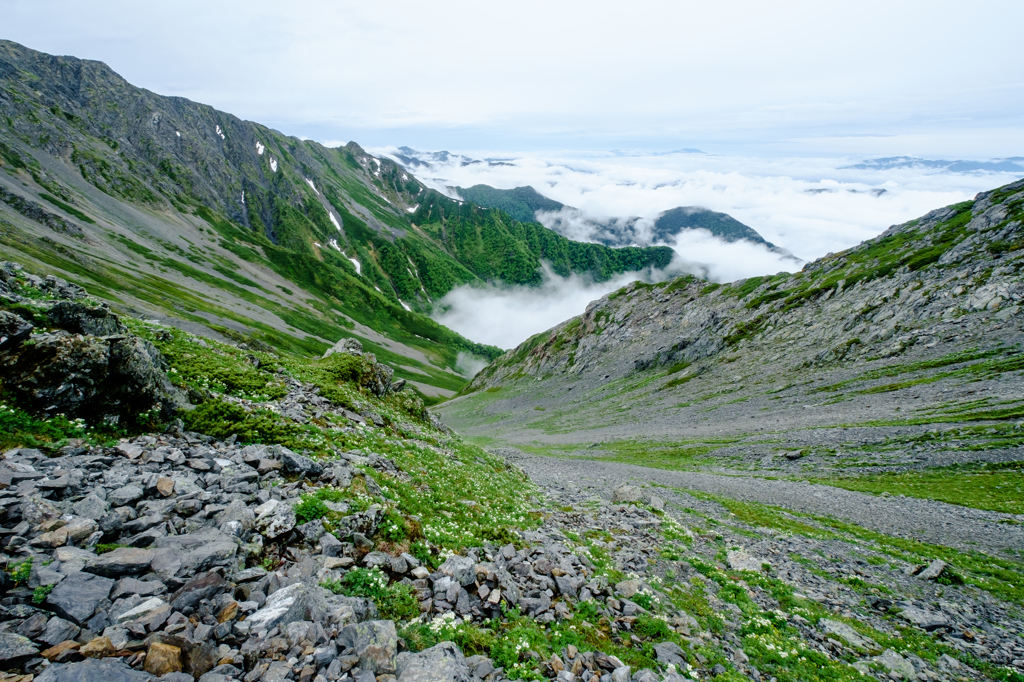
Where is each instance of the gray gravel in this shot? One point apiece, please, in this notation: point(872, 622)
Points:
point(925, 520)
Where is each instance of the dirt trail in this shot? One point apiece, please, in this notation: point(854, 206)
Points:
point(925, 520)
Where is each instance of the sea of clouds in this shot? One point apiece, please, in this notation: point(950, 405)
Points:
point(807, 206)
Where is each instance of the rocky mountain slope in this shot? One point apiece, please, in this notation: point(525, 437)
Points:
point(175, 210)
point(904, 351)
point(309, 520)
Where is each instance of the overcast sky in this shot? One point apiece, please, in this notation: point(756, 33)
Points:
point(930, 78)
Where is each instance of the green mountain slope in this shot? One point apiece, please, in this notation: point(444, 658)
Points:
point(522, 203)
point(173, 209)
point(672, 222)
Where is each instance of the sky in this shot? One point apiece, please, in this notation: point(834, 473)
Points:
point(930, 77)
point(585, 99)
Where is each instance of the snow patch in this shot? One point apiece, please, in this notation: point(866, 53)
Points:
point(358, 266)
point(177, 133)
point(273, 164)
point(334, 245)
point(404, 305)
point(260, 148)
point(312, 186)
point(334, 220)
point(243, 196)
point(413, 209)
point(377, 288)
point(220, 132)
point(318, 245)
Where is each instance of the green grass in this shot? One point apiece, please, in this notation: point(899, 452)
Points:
point(995, 487)
point(67, 209)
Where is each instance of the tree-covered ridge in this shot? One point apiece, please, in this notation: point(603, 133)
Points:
point(495, 247)
point(521, 203)
point(723, 225)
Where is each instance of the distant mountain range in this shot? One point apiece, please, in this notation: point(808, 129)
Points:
point(1013, 164)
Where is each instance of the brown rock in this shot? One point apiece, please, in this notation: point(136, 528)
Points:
point(162, 659)
point(229, 612)
point(556, 664)
point(265, 466)
point(165, 486)
point(100, 647)
point(63, 652)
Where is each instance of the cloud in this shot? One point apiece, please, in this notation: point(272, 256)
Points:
point(701, 254)
point(507, 316)
point(469, 365)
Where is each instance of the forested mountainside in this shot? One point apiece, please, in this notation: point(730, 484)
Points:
point(178, 210)
point(523, 203)
point(919, 326)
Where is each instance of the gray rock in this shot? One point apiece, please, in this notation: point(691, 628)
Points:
point(374, 642)
point(195, 552)
point(933, 570)
point(14, 649)
point(621, 674)
point(93, 670)
point(353, 346)
point(669, 653)
point(739, 560)
point(121, 497)
point(924, 619)
point(893, 662)
point(121, 562)
point(78, 596)
point(203, 586)
point(840, 629)
point(91, 507)
point(58, 630)
point(625, 494)
point(461, 569)
point(295, 463)
point(274, 518)
point(13, 329)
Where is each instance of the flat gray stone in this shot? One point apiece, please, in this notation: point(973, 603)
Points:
point(78, 595)
point(841, 629)
point(933, 570)
point(14, 648)
point(374, 642)
point(926, 620)
point(121, 562)
point(120, 497)
point(440, 663)
point(93, 670)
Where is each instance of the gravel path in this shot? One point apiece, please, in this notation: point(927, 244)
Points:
point(925, 520)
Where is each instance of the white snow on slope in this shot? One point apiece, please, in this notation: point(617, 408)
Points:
point(312, 186)
point(404, 305)
point(359, 267)
point(177, 133)
point(220, 132)
point(413, 209)
point(260, 148)
point(334, 220)
point(273, 164)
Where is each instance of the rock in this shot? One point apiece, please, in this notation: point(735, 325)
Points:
point(274, 518)
point(122, 497)
point(162, 659)
point(933, 570)
point(58, 630)
point(627, 588)
point(840, 629)
point(295, 463)
point(461, 569)
point(299, 601)
point(924, 619)
point(374, 642)
point(739, 560)
point(203, 586)
point(15, 649)
point(165, 486)
point(194, 552)
point(62, 652)
point(99, 647)
point(353, 346)
point(143, 610)
point(77, 597)
point(13, 330)
point(93, 670)
point(626, 494)
point(91, 507)
point(669, 653)
point(121, 562)
point(893, 662)
point(621, 674)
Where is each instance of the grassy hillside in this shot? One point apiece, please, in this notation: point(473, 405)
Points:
point(172, 209)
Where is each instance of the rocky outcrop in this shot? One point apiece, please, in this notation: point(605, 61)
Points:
point(77, 359)
point(377, 377)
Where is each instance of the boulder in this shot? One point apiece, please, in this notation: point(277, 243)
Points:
point(204, 586)
point(78, 596)
point(295, 463)
point(739, 560)
point(15, 649)
point(374, 642)
point(353, 346)
point(440, 663)
point(13, 330)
